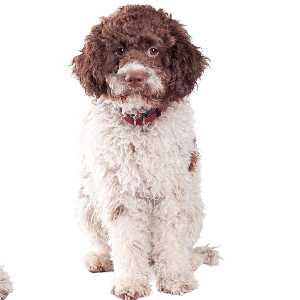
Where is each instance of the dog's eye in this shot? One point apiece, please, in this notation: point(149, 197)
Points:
point(153, 51)
point(120, 51)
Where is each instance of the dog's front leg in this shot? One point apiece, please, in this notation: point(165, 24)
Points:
point(130, 244)
point(171, 254)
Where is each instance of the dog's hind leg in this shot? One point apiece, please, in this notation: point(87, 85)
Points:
point(98, 262)
point(204, 255)
point(90, 223)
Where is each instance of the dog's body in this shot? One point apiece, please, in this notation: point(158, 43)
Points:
point(140, 202)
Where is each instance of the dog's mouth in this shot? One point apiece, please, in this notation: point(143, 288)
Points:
point(142, 99)
point(143, 95)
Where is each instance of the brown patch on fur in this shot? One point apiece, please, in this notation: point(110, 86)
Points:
point(151, 261)
point(194, 158)
point(117, 213)
point(193, 163)
point(137, 28)
point(80, 193)
point(132, 148)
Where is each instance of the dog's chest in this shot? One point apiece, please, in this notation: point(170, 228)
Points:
point(138, 160)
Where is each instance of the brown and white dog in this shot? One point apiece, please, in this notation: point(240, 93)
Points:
point(140, 202)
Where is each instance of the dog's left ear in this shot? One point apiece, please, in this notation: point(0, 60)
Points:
point(88, 67)
point(187, 65)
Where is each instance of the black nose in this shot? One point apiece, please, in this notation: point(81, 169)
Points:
point(135, 79)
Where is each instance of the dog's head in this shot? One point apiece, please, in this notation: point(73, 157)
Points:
point(139, 54)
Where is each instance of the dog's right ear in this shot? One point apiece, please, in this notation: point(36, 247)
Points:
point(187, 63)
point(88, 67)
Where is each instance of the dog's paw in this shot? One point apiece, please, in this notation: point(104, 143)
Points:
point(96, 262)
point(3, 295)
point(131, 291)
point(204, 255)
point(6, 285)
point(180, 286)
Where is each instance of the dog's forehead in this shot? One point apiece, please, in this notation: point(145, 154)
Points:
point(141, 40)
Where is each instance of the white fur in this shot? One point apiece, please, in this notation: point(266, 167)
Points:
point(134, 104)
point(6, 286)
point(139, 202)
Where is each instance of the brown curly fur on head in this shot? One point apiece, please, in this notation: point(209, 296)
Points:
point(136, 28)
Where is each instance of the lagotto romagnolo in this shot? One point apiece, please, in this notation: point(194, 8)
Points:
point(140, 202)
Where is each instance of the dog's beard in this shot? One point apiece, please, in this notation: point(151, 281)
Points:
point(135, 105)
point(138, 103)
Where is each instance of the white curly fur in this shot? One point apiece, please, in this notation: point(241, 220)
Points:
point(6, 286)
point(139, 203)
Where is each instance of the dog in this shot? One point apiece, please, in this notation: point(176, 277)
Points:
point(140, 202)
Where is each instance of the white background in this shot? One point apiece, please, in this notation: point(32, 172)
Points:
point(247, 112)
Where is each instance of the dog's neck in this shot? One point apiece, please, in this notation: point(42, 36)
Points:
point(138, 112)
point(136, 108)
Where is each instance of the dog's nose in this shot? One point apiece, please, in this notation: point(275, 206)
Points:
point(135, 79)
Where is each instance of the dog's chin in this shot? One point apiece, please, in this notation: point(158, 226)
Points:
point(135, 103)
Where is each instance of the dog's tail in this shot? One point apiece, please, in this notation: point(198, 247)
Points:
point(6, 286)
point(204, 255)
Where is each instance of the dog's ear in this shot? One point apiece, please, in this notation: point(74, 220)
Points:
point(187, 65)
point(88, 67)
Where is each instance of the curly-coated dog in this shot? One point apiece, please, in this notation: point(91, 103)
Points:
point(140, 202)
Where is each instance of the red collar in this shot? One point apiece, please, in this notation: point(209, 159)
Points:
point(150, 119)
